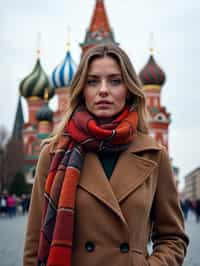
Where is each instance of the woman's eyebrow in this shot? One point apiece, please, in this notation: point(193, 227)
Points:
point(92, 76)
point(110, 76)
point(115, 75)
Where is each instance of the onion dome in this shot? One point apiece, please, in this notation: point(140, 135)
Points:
point(63, 73)
point(44, 113)
point(36, 83)
point(152, 74)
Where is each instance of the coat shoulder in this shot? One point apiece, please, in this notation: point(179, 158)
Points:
point(144, 142)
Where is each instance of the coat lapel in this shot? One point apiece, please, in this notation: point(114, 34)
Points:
point(94, 181)
point(130, 172)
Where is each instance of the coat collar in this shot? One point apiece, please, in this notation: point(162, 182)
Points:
point(130, 172)
point(143, 142)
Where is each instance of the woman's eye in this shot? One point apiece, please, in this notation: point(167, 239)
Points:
point(92, 82)
point(115, 82)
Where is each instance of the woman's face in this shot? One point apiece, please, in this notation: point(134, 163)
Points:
point(104, 92)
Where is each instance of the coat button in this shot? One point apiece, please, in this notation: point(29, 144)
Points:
point(124, 247)
point(90, 246)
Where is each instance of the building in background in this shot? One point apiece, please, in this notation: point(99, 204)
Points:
point(192, 185)
point(153, 78)
point(37, 88)
point(99, 29)
point(176, 175)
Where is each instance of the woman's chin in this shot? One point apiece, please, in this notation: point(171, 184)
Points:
point(104, 114)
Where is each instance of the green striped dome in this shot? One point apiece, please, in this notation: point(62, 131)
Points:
point(36, 83)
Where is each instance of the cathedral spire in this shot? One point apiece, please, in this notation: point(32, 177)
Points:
point(19, 121)
point(68, 44)
point(99, 18)
point(99, 30)
point(38, 51)
point(151, 42)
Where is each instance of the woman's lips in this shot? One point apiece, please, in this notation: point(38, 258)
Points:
point(103, 104)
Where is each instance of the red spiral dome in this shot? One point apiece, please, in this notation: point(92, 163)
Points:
point(152, 74)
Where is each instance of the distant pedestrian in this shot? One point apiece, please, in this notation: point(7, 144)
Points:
point(3, 205)
point(197, 210)
point(11, 204)
point(185, 205)
point(25, 203)
point(28, 199)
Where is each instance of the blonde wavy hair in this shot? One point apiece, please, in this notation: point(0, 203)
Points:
point(136, 98)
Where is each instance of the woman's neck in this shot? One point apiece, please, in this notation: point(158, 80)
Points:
point(104, 120)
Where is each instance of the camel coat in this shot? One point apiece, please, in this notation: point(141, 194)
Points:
point(115, 219)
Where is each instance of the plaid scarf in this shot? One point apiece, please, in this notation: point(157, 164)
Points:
point(81, 135)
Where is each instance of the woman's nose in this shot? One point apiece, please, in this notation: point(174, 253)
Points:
point(103, 89)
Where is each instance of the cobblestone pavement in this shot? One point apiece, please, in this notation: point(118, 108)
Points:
point(12, 231)
point(193, 254)
point(12, 239)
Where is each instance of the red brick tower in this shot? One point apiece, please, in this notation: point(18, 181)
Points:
point(153, 78)
point(99, 30)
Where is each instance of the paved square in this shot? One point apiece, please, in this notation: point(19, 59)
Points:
point(12, 231)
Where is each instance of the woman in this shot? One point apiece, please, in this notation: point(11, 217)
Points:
point(108, 187)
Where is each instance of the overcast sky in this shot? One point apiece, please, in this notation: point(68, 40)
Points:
point(175, 24)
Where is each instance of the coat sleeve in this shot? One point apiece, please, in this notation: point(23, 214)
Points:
point(168, 235)
point(35, 210)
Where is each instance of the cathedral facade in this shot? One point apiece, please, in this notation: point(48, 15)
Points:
point(37, 89)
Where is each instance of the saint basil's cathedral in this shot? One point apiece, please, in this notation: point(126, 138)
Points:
point(37, 89)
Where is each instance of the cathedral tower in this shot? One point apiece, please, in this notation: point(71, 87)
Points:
point(153, 78)
point(99, 30)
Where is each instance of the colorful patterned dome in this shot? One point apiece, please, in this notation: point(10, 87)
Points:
point(44, 113)
point(152, 74)
point(63, 74)
point(36, 83)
